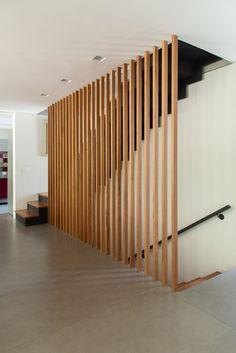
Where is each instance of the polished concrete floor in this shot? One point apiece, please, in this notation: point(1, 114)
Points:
point(58, 295)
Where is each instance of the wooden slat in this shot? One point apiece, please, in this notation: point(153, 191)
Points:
point(108, 163)
point(131, 161)
point(72, 142)
point(174, 148)
point(164, 109)
point(49, 165)
point(97, 117)
point(118, 164)
point(113, 158)
point(85, 180)
point(89, 164)
point(147, 162)
point(56, 167)
point(93, 164)
point(81, 163)
point(63, 164)
point(76, 163)
point(102, 165)
point(125, 163)
point(155, 114)
point(139, 166)
point(60, 165)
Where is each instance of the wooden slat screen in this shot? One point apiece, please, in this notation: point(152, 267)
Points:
point(104, 164)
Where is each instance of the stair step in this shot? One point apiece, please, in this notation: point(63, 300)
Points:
point(43, 194)
point(186, 285)
point(37, 204)
point(25, 214)
point(212, 275)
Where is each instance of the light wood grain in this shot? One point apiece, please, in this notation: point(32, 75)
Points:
point(113, 165)
point(155, 116)
point(118, 165)
point(85, 179)
point(102, 164)
point(131, 162)
point(139, 165)
point(164, 108)
point(108, 163)
point(97, 116)
point(125, 162)
point(147, 162)
point(93, 165)
point(88, 143)
point(174, 167)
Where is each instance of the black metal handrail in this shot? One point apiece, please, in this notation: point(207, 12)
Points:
point(217, 213)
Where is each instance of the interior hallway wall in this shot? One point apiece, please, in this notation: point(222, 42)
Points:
point(31, 168)
point(207, 173)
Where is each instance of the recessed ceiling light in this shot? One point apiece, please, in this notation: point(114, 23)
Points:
point(65, 80)
point(44, 95)
point(99, 58)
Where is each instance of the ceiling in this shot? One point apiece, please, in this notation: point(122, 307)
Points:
point(47, 40)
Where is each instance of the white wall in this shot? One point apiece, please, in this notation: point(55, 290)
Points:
point(207, 173)
point(31, 168)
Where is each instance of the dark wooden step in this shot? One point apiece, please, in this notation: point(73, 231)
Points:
point(43, 197)
point(27, 217)
point(39, 209)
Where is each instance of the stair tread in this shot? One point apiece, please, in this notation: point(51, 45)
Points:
point(43, 194)
point(26, 214)
point(38, 204)
point(197, 281)
point(212, 275)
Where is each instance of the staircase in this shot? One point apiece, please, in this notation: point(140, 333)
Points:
point(36, 212)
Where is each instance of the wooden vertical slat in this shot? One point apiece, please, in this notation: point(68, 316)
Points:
point(102, 165)
point(85, 180)
point(113, 165)
point(49, 165)
point(147, 162)
point(93, 164)
point(125, 163)
point(67, 163)
point(97, 117)
point(56, 167)
point(108, 163)
point(174, 148)
point(118, 164)
point(63, 162)
point(139, 165)
point(89, 164)
point(72, 195)
point(155, 114)
point(60, 165)
point(164, 109)
point(131, 159)
point(81, 211)
point(76, 161)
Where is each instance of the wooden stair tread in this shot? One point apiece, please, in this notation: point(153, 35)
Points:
point(38, 204)
point(182, 286)
point(212, 275)
point(26, 214)
point(43, 194)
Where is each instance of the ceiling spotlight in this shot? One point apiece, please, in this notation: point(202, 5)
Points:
point(65, 80)
point(44, 95)
point(99, 58)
